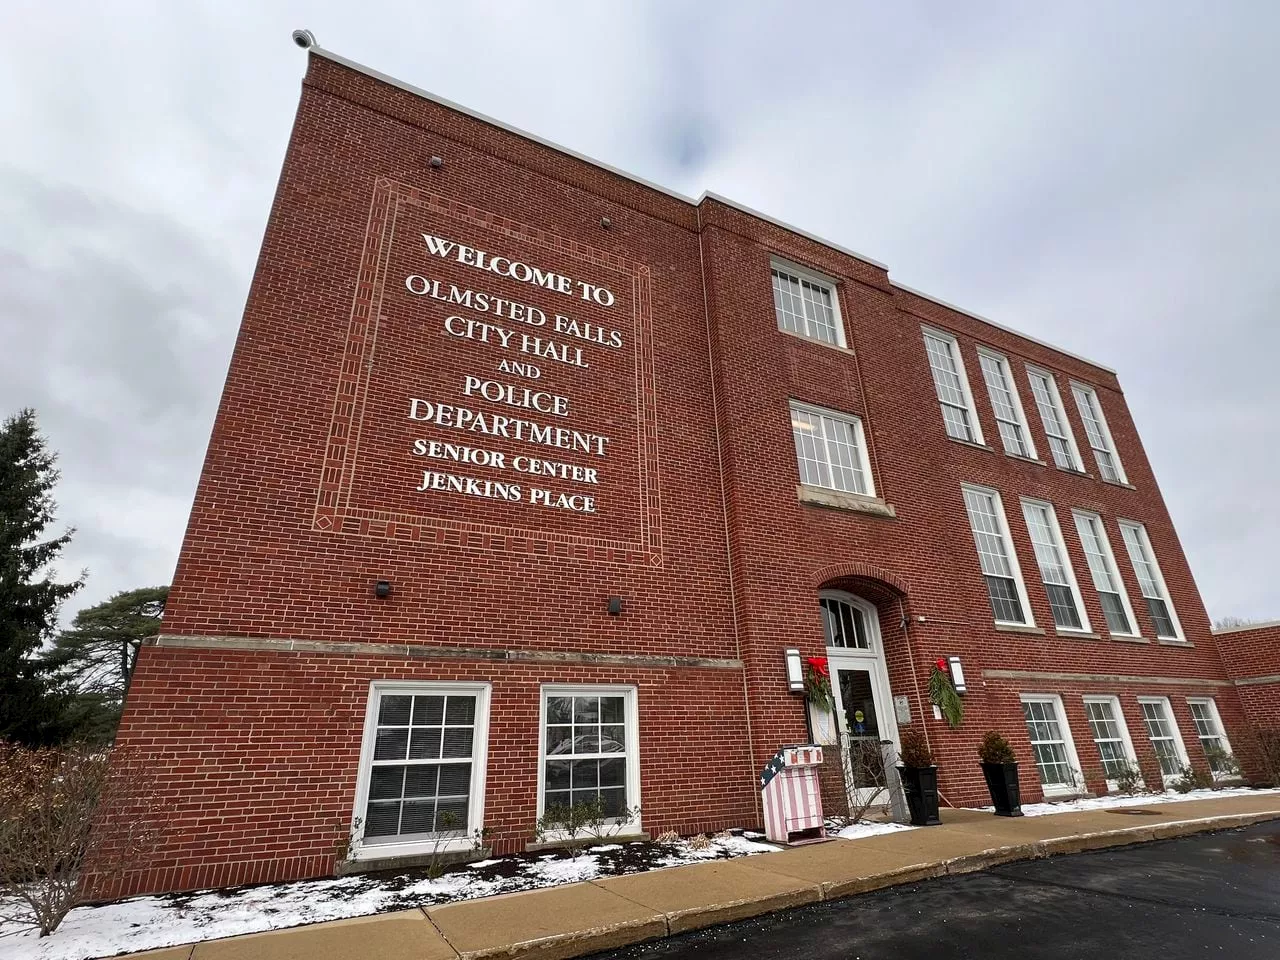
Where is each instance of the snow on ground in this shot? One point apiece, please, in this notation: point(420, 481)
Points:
point(1139, 800)
point(144, 923)
point(865, 828)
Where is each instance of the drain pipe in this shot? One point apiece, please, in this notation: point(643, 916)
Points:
point(915, 682)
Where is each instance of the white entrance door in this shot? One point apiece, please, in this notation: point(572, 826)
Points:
point(860, 690)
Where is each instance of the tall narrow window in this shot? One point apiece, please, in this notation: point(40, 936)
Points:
point(589, 749)
point(1095, 428)
point(807, 304)
point(1150, 580)
point(1050, 743)
point(422, 770)
point(1055, 567)
point(830, 451)
point(1164, 736)
point(995, 555)
point(1106, 578)
point(1049, 402)
point(1006, 404)
point(1204, 713)
point(952, 386)
point(1106, 723)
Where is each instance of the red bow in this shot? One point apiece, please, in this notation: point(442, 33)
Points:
point(820, 665)
point(941, 664)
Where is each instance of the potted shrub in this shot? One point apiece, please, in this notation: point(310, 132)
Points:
point(919, 778)
point(1000, 768)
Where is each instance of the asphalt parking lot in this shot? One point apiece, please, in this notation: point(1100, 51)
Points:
point(1212, 895)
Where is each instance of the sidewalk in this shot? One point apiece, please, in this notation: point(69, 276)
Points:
point(582, 918)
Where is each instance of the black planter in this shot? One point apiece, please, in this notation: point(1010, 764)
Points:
point(1002, 783)
point(920, 784)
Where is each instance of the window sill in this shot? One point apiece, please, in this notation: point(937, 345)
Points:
point(1055, 795)
point(816, 342)
point(1119, 483)
point(369, 860)
point(968, 443)
point(1018, 456)
point(839, 500)
point(1076, 473)
point(1121, 638)
point(1169, 642)
point(534, 846)
point(1019, 628)
point(1077, 634)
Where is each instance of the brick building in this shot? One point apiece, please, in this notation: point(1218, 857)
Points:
point(527, 472)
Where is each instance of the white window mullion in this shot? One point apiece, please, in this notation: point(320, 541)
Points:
point(1166, 740)
point(1002, 389)
point(1056, 571)
point(959, 417)
point(1112, 594)
point(1098, 433)
point(1062, 441)
point(831, 450)
point(1151, 581)
point(1052, 745)
point(996, 556)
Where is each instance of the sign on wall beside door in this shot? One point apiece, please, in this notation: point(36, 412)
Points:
point(902, 709)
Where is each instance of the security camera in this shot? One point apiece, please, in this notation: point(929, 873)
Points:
point(304, 38)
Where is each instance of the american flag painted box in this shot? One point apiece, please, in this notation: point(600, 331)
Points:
point(792, 796)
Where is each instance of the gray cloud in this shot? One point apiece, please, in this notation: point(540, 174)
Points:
point(1098, 176)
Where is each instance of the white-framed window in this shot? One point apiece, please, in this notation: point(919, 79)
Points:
point(1157, 716)
point(806, 303)
point(1110, 736)
point(1106, 576)
point(996, 556)
point(1212, 735)
point(1056, 572)
point(843, 624)
point(1062, 442)
point(1098, 433)
point(1006, 404)
point(590, 748)
point(422, 768)
point(831, 449)
point(1051, 743)
point(952, 385)
point(1150, 580)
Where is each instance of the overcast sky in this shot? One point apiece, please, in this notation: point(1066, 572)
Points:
point(1104, 177)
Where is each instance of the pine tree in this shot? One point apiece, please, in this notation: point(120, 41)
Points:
point(31, 698)
point(96, 657)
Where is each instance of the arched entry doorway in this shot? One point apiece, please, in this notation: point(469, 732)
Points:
point(862, 717)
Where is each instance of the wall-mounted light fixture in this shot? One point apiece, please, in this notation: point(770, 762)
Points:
point(615, 606)
point(957, 675)
point(606, 222)
point(382, 589)
point(437, 162)
point(795, 670)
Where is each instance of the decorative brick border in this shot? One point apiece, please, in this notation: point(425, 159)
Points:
point(334, 510)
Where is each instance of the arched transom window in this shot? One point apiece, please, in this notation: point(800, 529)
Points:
point(844, 624)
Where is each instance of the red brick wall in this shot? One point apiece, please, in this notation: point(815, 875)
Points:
point(1252, 658)
point(307, 499)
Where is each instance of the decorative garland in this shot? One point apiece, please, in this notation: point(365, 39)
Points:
point(817, 682)
point(943, 693)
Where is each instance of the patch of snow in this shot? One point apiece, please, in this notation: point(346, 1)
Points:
point(1139, 800)
point(866, 828)
point(146, 923)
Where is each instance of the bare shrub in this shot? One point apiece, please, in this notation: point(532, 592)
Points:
point(866, 780)
point(66, 812)
point(582, 823)
point(1269, 748)
point(1128, 777)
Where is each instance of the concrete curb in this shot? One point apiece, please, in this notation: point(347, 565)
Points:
point(637, 922)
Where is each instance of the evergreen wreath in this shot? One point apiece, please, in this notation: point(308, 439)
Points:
point(942, 691)
point(817, 682)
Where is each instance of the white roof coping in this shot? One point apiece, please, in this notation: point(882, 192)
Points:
point(427, 95)
point(1248, 626)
